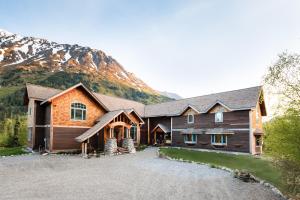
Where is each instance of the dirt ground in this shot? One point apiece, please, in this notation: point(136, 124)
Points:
point(136, 176)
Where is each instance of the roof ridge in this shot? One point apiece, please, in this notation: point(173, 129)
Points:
point(203, 95)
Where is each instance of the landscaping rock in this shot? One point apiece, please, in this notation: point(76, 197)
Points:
point(244, 176)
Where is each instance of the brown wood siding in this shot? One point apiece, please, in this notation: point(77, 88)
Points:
point(238, 142)
point(62, 109)
point(64, 138)
point(236, 119)
point(144, 132)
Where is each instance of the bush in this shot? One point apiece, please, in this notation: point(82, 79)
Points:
point(282, 142)
point(13, 132)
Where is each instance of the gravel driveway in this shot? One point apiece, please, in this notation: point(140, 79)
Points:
point(136, 176)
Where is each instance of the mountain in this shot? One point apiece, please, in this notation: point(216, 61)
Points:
point(39, 61)
point(170, 95)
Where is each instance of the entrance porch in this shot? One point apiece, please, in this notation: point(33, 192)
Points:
point(111, 135)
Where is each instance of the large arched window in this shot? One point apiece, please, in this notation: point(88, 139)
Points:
point(78, 111)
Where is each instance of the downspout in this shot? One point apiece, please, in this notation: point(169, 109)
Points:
point(148, 130)
point(171, 131)
point(250, 132)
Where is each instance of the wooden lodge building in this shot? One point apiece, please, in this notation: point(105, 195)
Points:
point(78, 119)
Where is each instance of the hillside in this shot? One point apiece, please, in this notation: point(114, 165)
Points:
point(39, 61)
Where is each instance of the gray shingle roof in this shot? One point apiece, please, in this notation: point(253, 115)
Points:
point(242, 99)
point(112, 103)
point(103, 121)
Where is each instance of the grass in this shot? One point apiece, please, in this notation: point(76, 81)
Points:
point(11, 151)
point(261, 168)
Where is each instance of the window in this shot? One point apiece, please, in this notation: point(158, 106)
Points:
point(258, 141)
point(190, 138)
point(133, 131)
point(190, 119)
point(78, 111)
point(29, 134)
point(219, 117)
point(219, 139)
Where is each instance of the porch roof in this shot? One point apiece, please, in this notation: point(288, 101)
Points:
point(258, 131)
point(164, 128)
point(103, 121)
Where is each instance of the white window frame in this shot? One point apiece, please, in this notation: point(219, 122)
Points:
point(82, 109)
point(188, 118)
point(213, 140)
point(190, 141)
point(217, 119)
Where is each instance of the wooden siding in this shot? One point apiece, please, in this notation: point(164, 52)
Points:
point(64, 138)
point(238, 142)
point(144, 132)
point(236, 119)
point(62, 109)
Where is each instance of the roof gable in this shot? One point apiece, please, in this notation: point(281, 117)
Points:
point(209, 108)
point(72, 88)
point(187, 108)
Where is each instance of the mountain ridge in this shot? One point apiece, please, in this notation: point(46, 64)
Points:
point(17, 50)
point(43, 62)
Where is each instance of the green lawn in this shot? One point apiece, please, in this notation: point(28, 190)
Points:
point(11, 151)
point(260, 168)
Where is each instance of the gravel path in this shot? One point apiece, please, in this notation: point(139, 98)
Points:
point(136, 176)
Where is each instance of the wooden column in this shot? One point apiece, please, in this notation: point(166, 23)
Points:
point(154, 137)
point(82, 149)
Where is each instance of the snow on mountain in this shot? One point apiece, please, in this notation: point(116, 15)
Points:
point(29, 52)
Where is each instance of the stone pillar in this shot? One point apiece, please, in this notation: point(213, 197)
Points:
point(110, 146)
point(129, 145)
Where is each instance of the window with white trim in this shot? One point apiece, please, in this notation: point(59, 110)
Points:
point(133, 131)
point(219, 117)
point(190, 138)
point(78, 111)
point(190, 118)
point(219, 139)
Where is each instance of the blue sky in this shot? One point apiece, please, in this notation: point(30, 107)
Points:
point(188, 47)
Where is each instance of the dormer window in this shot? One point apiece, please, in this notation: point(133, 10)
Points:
point(78, 111)
point(218, 117)
point(190, 119)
